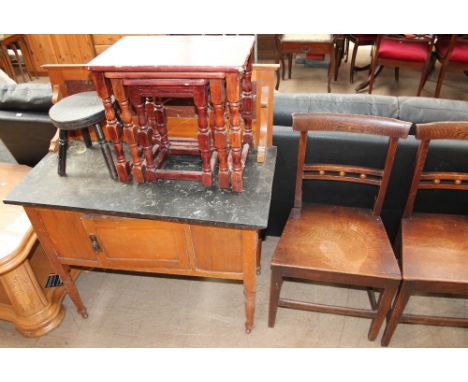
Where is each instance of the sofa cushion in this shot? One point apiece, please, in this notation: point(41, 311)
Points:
point(28, 96)
point(425, 110)
point(286, 104)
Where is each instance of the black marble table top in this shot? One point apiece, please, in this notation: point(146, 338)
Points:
point(88, 187)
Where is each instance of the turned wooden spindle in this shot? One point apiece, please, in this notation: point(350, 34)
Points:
point(220, 135)
point(233, 97)
point(161, 122)
point(247, 103)
point(113, 127)
point(199, 97)
point(144, 137)
point(128, 128)
point(149, 107)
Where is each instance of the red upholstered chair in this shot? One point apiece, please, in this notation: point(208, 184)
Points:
point(411, 51)
point(358, 40)
point(452, 52)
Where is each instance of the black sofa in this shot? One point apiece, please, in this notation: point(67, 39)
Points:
point(363, 150)
point(25, 126)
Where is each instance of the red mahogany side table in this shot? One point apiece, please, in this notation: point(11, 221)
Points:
point(142, 70)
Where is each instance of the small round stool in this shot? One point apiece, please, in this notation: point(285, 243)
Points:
point(79, 111)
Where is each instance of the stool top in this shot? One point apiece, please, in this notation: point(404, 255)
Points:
point(77, 111)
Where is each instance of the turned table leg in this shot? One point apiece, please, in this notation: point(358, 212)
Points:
point(199, 97)
point(145, 137)
point(126, 116)
point(247, 104)
point(233, 97)
point(161, 125)
point(220, 136)
point(104, 90)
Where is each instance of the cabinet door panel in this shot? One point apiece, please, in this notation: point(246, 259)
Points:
point(217, 249)
point(139, 242)
point(66, 232)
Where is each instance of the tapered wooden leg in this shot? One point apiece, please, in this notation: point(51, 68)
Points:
point(259, 254)
point(373, 72)
point(384, 306)
point(353, 63)
point(249, 249)
point(220, 135)
point(62, 154)
point(425, 73)
point(440, 80)
point(62, 270)
point(397, 74)
point(398, 308)
point(199, 97)
point(247, 103)
point(331, 70)
point(275, 289)
point(232, 83)
point(86, 137)
point(113, 128)
point(106, 152)
point(290, 60)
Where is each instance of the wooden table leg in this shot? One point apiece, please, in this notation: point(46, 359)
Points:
point(126, 116)
point(250, 248)
point(199, 98)
point(161, 126)
point(149, 106)
point(247, 104)
point(145, 136)
point(220, 136)
point(62, 270)
point(104, 90)
point(232, 90)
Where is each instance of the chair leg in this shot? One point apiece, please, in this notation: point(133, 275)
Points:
point(424, 75)
point(398, 308)
point(397, 74)
point(290, 59)
point(275, 289)
point(106, 152)
point(86, 137)
point(385, 303)
point(440, 80)
point(346, 50)
point(331, 70)
point(62, 154)
point(283, 67)
point(277, 61)
point(372, 73)
point(353, 61)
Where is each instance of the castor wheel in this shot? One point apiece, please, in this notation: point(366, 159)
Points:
point(247, 330)
point(259, 271)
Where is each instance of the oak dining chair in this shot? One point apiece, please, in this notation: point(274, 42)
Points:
point(337, 244)
point(434, 246)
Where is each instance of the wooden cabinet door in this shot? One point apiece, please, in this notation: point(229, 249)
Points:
point(138, 243)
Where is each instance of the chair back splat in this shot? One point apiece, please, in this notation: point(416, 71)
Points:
point(435, 180)
point(347, 123)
